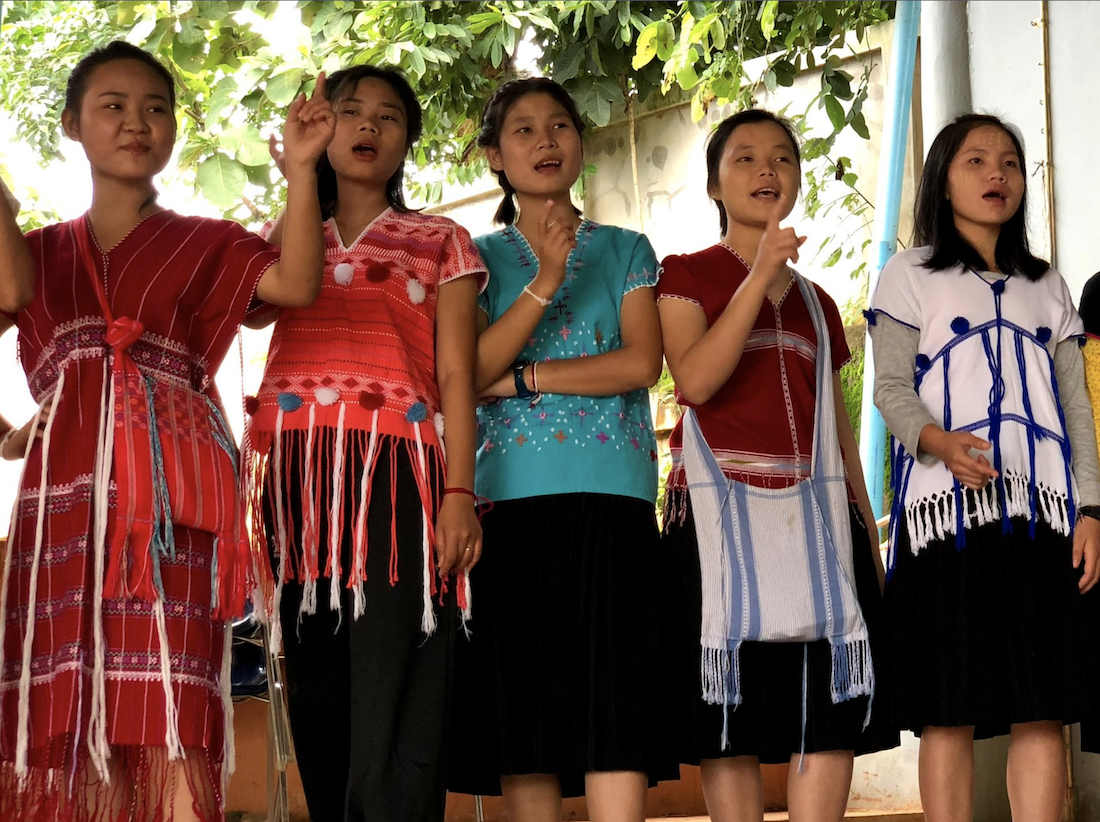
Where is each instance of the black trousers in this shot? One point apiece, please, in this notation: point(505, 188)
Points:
point(368, 698)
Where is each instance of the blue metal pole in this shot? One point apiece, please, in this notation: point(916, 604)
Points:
point(872, 446)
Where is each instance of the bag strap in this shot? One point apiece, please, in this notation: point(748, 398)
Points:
point(87, 257)
point(823, 394)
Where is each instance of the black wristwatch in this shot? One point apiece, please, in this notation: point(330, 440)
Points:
point(1090, 511)
point(522, 391)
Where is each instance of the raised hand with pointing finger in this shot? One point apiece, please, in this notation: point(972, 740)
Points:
point(778, 246)
point(309, 128)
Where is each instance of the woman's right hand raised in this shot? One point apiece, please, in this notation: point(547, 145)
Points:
point(953, 448)
point(778, 246)
point(553, 243)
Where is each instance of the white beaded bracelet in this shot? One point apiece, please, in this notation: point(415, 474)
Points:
point(536, 297)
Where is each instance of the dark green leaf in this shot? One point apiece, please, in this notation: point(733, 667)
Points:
point(835, 111)
point(569, 62)
point(859, 126)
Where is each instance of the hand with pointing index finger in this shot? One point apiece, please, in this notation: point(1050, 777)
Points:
point(778, 246)
point(310, 125)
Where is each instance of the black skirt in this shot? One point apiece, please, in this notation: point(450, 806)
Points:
point(368, 698)
point(990, 634)
point(562, 673)
point(768, 722)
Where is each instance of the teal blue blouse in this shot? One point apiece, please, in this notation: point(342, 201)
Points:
point(567, 443)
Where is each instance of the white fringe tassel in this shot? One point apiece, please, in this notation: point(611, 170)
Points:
point(934, 517)
point(171, 711)
point(309, 525)
point(23, 733)
point(427, 621)
point(98, 749)
point(334, 529)
point(225, 689)
point(359, 602)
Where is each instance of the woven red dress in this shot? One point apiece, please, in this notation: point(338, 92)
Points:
point(86, 690)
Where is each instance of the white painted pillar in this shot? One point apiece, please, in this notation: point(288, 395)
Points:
point(944, 65)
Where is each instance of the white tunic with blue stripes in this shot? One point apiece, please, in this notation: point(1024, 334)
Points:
point(986, 365)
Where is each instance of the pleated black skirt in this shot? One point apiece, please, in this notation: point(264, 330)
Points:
point(768, 723)
point(990, 634)
point(562, 672)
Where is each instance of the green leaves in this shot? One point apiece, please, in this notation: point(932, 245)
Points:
point(835, 111)
point(221, 180)
point(767, 18)
point(283, 88)
point(246, 144)
point(569, 63)
point(596, 99)
point(234, 86)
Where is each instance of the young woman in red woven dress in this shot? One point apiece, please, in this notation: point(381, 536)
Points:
point(126, 555)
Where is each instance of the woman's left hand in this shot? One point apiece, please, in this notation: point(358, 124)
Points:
point(1086, 549)
point(14, 443)
point(310, 125)
point(457, 535)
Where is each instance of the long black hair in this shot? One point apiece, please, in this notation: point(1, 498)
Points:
point(716, 147)
point(1089, 307)
point(492, 123)
point(341, 83)
point(77, 84)
point(934, 221)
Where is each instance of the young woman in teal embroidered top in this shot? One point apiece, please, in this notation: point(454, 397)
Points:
point(570, 340)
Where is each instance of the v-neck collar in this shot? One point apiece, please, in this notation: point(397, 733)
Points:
point(87, 219)
point(776, 305)
point(340, 240)
point(526, 246)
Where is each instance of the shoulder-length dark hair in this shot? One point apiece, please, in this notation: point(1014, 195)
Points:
point(716, 147)
point(934, 220)
point(339, 85)
point(492, 123)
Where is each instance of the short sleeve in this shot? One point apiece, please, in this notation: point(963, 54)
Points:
point(461, 259)
point(243, 259)
point(838, 341)
point(643, 270)
point(485, 295)
point(896, 295)
point(677, 282)
point(1070, 325)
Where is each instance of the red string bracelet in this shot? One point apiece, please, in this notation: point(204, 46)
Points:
point(483, 504)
